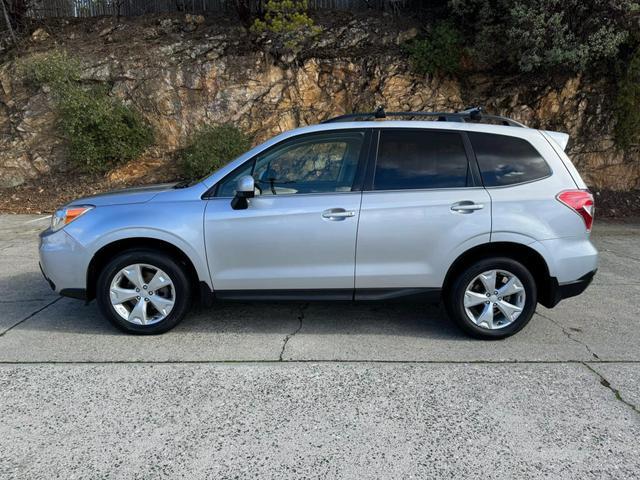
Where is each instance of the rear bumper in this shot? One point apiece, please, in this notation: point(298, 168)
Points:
point(559, 292)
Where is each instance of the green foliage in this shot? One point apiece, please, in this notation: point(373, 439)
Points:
point(627, 108)
point(55, 68)
point(546, 34)
point(101, 131)
point(439, 52)
point(210, 148)
point(286, 25)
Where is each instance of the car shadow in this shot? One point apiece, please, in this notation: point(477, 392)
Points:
point(269, 318)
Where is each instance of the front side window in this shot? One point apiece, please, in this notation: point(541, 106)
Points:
point(505, 160)
point(419, 159)
point(315, 163)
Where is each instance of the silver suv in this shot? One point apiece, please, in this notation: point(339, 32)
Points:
point(476, 210)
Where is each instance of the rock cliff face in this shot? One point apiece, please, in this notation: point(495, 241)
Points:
point(183, 73)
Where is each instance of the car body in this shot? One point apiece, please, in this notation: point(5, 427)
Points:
point(350, 210)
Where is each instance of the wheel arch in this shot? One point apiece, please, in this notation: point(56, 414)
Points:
point(525, 254)
point(108, 251)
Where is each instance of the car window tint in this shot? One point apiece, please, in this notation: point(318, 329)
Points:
point(506, 160)
point(418, 159)
point(316, 163)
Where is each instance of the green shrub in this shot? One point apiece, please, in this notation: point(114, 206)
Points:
point(627, 108)
point(545, 34)
point(210, 148)
point(439, 52)
point(286, 25)
point(102, 132)
point(55, 69)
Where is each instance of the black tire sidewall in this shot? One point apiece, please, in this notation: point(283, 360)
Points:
point(455, 297)
point(156, 259)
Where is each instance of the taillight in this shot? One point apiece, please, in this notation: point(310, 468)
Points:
point(581, 202)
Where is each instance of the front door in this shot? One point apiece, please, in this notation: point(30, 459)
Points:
point(299, 232)
point(422, 207)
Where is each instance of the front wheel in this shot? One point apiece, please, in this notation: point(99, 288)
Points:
point(493, 298)
point(143, 292)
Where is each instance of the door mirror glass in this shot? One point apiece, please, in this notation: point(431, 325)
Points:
point(245, 189)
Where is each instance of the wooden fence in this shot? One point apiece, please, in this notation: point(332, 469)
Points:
point(129, 8)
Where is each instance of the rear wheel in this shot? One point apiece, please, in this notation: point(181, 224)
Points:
point(493, 298)
point(143, 292)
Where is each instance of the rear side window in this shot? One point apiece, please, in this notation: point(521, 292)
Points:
point(505, 160)
point(419, 159)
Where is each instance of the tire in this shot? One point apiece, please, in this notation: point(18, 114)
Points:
point(164, 308)
point(470, 286)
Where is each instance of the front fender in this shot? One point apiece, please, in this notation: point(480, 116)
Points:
point(179, 224)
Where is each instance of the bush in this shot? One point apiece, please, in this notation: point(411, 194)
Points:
point(439, 52)
point(101, 131)
point(286, 25)
point(627, 108)
point(545, 34)
point(55, 69)
point(210, 148)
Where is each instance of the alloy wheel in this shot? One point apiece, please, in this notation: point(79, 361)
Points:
point(142, 294)
point(494, 299)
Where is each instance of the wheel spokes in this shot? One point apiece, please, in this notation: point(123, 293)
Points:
point(494, 299)
point(488, 280)
point(486, 317)
point(509, 288)
point(163, 305)
point(509, 310)
point(142, 294)
point(120, 295)
point(139, 313)
point(159, 280)
point(471, 299)
point(134, 275)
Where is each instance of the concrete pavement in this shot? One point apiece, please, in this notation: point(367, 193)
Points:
point(319, 390)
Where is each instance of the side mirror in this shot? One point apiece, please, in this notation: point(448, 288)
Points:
point(245, 188)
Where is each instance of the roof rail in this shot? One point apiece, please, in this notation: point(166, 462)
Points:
point(474, 114)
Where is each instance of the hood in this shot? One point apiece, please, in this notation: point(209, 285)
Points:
point(127, 195)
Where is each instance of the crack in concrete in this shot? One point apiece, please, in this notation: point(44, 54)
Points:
point(569, 336)
point(606, 384)
point(620, 255)
point(292, 334)
point(24, 300)
point(31, 315)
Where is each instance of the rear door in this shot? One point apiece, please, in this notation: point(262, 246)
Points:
point(423, 205)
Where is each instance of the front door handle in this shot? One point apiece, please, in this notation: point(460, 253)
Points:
point(338, 214)
point(466, 206)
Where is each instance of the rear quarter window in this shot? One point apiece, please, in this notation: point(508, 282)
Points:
point(505, 160)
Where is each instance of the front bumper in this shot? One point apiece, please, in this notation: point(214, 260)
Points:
point(63, 263)
point(558, 292)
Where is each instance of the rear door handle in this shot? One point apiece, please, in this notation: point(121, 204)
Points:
point(338, 214)
point(466, 206)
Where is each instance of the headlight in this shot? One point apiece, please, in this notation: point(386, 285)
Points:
point(66, 215)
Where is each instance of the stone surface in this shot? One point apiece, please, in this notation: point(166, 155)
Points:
point(352, 421)
point(214, 74)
